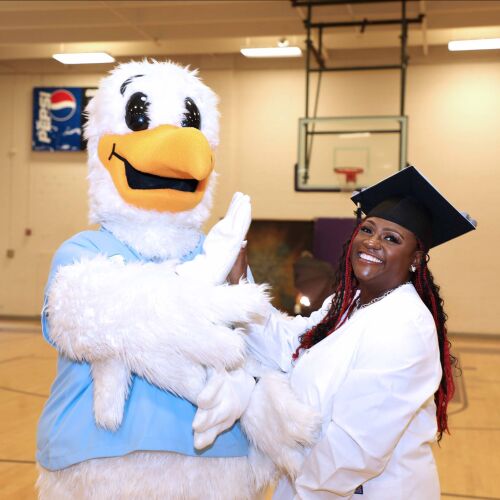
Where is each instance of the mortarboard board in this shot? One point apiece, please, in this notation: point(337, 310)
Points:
point(409, 199)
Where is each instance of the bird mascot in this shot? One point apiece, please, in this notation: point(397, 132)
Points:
point(154, 395)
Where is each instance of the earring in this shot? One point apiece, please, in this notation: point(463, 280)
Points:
point(413, 268)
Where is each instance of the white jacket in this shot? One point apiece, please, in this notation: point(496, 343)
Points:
point(373, 381)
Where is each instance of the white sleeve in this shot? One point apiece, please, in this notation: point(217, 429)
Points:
point(274, 342)
point(394, 375)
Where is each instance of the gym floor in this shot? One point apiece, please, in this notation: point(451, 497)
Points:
point(468, 460)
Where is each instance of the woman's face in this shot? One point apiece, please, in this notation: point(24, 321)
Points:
point(382, 253)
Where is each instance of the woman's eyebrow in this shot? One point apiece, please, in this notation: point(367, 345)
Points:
point(392, 230)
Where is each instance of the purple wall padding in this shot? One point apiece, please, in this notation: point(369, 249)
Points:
point(330, 234)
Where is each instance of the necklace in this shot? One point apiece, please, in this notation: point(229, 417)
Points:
point(357, 306)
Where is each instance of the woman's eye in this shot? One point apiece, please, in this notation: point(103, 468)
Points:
point(136, 112)
point(192, 117)
point(365, 229)
point(392, 238)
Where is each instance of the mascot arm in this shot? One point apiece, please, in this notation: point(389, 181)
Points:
point(277, 423)
point(102, 308)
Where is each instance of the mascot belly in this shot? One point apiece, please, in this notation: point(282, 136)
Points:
point(141, 316)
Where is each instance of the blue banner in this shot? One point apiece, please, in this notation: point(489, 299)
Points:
point(58, 118)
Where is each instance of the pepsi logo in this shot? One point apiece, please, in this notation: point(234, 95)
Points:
point(62, 105)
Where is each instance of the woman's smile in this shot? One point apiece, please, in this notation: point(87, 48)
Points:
point(371, 259)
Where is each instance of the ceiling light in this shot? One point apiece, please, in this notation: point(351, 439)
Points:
point(84, 58)
point(481, 44)
point(272, 52)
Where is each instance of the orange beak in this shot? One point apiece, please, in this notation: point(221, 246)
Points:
point(164, 169)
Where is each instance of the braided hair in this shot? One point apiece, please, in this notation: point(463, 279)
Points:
point(428, 290)
point(345, 287)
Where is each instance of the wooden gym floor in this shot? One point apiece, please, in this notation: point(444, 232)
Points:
point(468, 460)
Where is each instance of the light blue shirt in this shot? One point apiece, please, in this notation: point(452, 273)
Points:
point(154, 419)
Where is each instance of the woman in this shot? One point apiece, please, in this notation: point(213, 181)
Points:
point(375, 359)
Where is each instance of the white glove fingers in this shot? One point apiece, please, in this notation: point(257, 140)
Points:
point(236, 196)
point(235, 201)
point(240, 218)
point(200, 421)
point(204, 439)
point(214, 418)
point(210, 395)
point(239, 206)
point(225, 398)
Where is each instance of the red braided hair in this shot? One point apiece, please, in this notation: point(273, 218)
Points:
point(345, 289)
point(429, 293)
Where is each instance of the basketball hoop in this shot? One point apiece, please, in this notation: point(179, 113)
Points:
point(349, 182)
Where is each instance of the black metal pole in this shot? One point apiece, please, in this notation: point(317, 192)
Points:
point(357, 68)
point(308, 73)
point(404, 63)
point(367, 22)
point(404, 56)
point(308, 58)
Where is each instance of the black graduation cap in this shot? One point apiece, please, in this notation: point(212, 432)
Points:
point(408, 199)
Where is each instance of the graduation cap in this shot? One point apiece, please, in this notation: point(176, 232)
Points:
point(409, 199)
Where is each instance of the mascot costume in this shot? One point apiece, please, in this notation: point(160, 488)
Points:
point(154, 395)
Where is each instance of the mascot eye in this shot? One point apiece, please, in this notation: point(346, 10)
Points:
point(192, 117)
point(136, 113)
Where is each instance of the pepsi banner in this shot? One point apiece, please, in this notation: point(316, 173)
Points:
point(58, 118)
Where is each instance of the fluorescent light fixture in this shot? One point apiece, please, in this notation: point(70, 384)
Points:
point(480, 44)
point(84, 58)
point(272, 52)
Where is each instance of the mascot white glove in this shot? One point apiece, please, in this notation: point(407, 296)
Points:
point(222, 244)
point(220, 404)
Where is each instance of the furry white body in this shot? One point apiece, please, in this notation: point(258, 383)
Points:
point(163, 324)
point(279, 433)
point(154, 476)
point(141, 318)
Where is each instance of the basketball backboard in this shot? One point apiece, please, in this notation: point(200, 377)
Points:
point(347, 153)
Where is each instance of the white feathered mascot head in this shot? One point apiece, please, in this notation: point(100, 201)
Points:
point(152, 130)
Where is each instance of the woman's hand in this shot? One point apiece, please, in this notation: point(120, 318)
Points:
point(239, 269)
